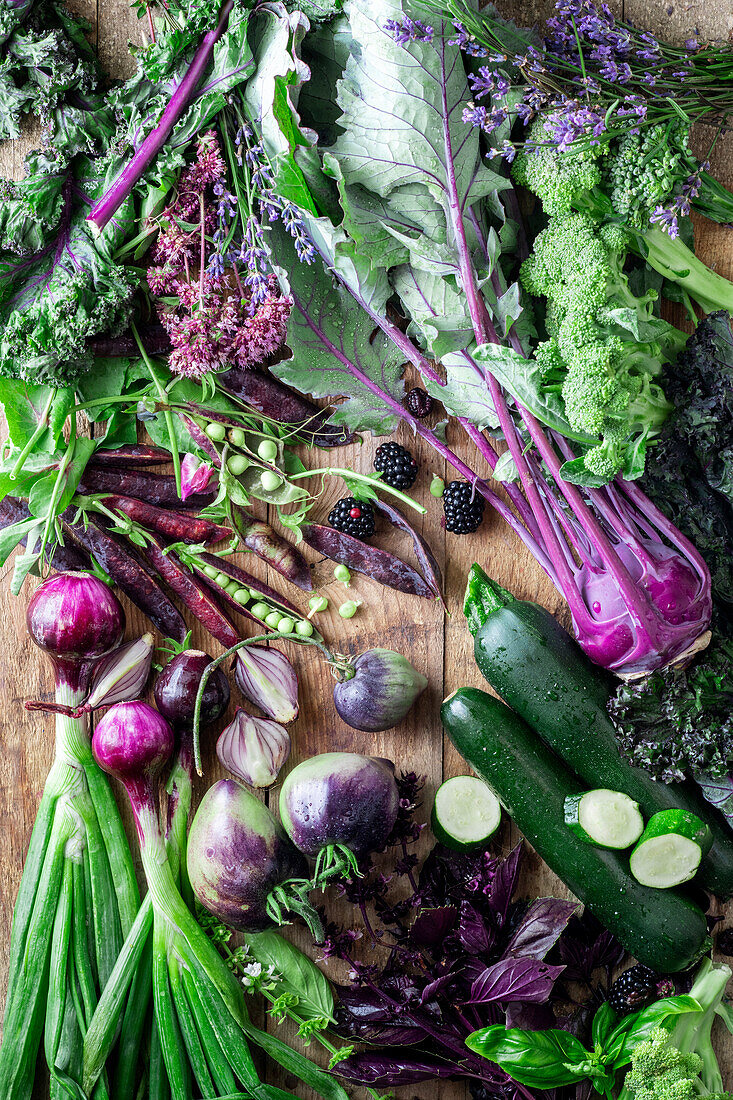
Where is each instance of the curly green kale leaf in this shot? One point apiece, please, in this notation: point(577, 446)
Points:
point(68, 289)
point(679, 723)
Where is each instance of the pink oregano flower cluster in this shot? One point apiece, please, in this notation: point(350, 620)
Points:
point(205, 304)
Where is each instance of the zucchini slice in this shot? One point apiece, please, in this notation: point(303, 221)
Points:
point(670, 849)
point(466, 813)
point(608, 819)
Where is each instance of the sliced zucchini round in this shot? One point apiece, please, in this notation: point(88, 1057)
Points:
point(608, 819)
point(670, 849)
point(466, 813)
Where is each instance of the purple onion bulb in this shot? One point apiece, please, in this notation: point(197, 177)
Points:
point(133, 743)
point(75, 618)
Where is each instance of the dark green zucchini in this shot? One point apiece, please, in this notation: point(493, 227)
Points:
point(543, 675)
point(663, 929)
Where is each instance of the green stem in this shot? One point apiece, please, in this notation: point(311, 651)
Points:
point(167, 414)
point(375, 482)
point(40, 429)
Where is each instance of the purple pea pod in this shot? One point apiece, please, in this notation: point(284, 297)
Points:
point(426, 559)
point(272, 548)
point(338, 807)
point(370, 560)
point(266, 677)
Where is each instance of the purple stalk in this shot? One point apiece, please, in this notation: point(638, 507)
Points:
point(116, 194)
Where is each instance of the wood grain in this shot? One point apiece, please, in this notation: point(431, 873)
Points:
point(437, 644)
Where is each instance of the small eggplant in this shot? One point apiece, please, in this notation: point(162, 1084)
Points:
point(377, 690)
point(241, 862)
point(337, 807)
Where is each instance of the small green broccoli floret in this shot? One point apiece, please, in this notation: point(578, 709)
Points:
point(599, 354)
point(645, 170)
point(661, 1072)
point(560, 181)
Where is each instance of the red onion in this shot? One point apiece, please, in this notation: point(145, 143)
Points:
point(253, 749)
point(133, 743)
point(75, 618)
point(267, 678)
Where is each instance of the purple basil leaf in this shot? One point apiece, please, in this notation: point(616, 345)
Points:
point(505, 883)
point(540, 928)
point(433, 925)
point(515, 980)
point(363, 1005)
point(474, 933)
point(432, 989)
point(374, 1068)
point(425, 557)
point(391, 1035)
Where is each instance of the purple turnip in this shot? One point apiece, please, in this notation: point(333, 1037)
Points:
point(376, 690)
point(242, 866)
point(338, 807)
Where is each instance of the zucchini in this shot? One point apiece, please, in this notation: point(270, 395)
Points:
point(543, 675)
point(670, 849)
point(608, 819)
point(466, 813)
point(664, 930)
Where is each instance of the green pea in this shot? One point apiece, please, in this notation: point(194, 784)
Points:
point(348, 609)
point(233, 587)
point(237, 437)
point(273, 620)
point(304, 628)
point(267, 450)
point(341, 573)
point(241, 596)
point(259, 610)
point(255, 593)
point(211, 572)
point(317, 603)
point(286, 624)
point(215, 431)
point(437, 486)
point(222, 579)
point(237, 464)
point(270, 481)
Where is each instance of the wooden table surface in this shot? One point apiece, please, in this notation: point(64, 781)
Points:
point(438, 644)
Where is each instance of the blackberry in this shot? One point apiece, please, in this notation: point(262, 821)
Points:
point(464, 508)
point(396, 465)
point(418, 402)
point(636, 988)
point(353, 517)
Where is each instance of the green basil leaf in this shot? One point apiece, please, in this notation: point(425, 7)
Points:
point(539, 1059)
point(604, 1023)
point(293, 973)
point(622, 1044)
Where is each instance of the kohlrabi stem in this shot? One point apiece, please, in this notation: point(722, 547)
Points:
point(106, 208)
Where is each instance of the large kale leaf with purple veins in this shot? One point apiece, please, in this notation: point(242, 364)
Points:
point(67, 286)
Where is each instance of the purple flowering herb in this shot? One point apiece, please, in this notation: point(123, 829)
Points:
point(409, 30)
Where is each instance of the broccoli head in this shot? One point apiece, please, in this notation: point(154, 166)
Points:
point(606, 346)
point(661, 1072)
point(562, 181)
point(645, 170)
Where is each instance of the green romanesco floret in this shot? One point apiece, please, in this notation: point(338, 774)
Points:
point(661, 1072)
point(561, 181)
point(606, 346)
